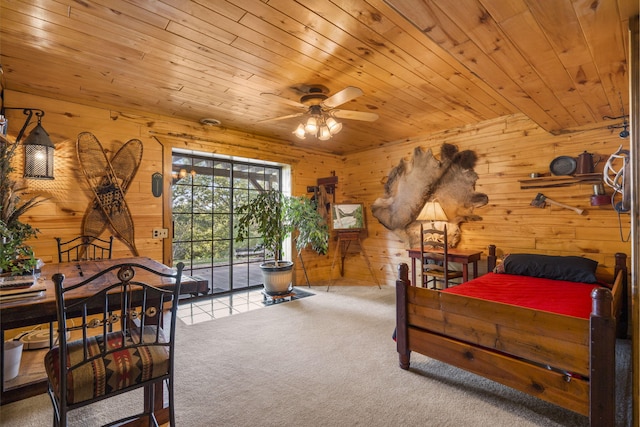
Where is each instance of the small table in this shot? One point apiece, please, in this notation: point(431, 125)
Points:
point(464, 257)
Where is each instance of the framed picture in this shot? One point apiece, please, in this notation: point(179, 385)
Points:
point(348, 216)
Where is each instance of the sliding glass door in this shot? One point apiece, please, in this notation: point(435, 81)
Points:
point(206, 191)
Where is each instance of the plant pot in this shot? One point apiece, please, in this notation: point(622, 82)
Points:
point(277, 277)
point(12, 357)
point(10, 281)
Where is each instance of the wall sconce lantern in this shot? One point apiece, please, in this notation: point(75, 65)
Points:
point(38, 148)
point(38, 154)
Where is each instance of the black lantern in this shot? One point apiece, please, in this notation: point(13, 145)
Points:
point(38, 148)
point(38, 154)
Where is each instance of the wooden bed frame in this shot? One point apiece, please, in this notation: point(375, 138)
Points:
point(564, 360)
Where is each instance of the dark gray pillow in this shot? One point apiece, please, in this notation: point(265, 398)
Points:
point(570, 268)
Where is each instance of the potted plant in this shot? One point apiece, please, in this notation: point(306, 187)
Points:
point(16, 258)
point(312, 229)
point(275, 216)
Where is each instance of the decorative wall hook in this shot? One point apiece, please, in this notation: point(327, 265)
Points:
point(625, 122)
point(624, 133)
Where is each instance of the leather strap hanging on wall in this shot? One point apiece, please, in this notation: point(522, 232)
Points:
point(323, 202)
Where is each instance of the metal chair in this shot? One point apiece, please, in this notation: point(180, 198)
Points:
point(100, 363)
point(434, 257)
point(84, 248)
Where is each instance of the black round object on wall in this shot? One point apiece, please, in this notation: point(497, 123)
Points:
point(563, 165)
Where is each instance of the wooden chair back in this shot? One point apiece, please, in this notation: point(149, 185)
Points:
point(84, 248)
point(434, 249)
point(113, 338)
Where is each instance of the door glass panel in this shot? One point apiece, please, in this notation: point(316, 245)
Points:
point(206, 191)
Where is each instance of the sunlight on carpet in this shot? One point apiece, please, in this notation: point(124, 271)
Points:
point(217, 307)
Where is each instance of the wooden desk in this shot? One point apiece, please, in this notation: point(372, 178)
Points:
point(455, 255)
point(27, 312)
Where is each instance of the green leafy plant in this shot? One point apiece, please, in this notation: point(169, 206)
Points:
point(312, 228)
point(16, 257)
point(275, 216)
point(264, 215)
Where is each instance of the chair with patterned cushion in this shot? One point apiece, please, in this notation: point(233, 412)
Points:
point(120, 339)
point(84, 248)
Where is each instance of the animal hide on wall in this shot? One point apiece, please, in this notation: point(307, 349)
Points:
point(450, 180)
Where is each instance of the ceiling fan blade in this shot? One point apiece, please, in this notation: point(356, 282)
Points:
point(354, 115)
point(339, 98)
point(282, 117)
point(284, 100)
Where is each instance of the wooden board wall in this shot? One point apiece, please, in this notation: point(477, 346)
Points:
point(508, 150)
point(61, 215)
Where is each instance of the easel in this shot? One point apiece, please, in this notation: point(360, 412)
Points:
point(304, 269)
point(345, 237)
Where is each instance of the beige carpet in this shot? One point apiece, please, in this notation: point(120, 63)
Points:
point(325, 360)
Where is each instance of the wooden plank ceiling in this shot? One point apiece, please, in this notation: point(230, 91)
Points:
point(423, 65)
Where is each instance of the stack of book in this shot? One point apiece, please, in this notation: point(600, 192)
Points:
point(12, 288)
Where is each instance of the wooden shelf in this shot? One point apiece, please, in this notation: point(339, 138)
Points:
point(560, 181)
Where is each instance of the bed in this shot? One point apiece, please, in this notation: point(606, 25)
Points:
point(564, 358)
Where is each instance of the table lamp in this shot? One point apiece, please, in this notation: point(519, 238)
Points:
point(432, 211)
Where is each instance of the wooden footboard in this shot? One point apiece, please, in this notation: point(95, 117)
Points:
point(564, 360)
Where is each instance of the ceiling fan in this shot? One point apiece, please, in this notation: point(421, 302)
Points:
point(322, 111)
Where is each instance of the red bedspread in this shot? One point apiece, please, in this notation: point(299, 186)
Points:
point(556, 296)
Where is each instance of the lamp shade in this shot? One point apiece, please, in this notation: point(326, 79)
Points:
point(38, 154)
point(312, 125)
point(333, 125)
point(299, 132)
point(323, 133)
point(432, 211)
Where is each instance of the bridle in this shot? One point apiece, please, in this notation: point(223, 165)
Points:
point(619, 181)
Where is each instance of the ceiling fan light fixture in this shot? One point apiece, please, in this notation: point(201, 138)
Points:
point(319, 125)
point(324, 133)
point(300, 132)
point(312, 125)
point(321, 110)
point(333, 125)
